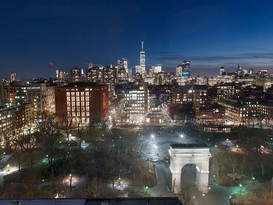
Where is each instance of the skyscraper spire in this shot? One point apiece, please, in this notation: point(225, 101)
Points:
point(142, 59)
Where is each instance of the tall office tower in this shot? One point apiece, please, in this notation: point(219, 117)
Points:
point(157, 68)
point(136, 102)
point(75, 74)
point(90, 65)
point(83, 76)
point(138, 69)
point(142, 60)
point(222, 70)
point(2, 97)
point(178, 70)
point(12, 76)
point(123, 63)
point(186, 68)
point(36, 96)
point(95, 74)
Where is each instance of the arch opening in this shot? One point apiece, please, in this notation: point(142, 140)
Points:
point(188, 176)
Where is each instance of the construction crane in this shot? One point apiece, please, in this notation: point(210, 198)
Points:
point(57, 71)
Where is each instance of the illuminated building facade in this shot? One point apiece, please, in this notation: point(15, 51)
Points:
point(95, 74)
point(123, 76)
point(136, 104)
point(36, 96)
point(24, 115)
point(142, 60)
point(49, 102)
point(227, 90)
point(2, 96)
point(10, 93)
point(76, 74)
point(110, 75)
point(12, 76)
point(83, 103)
point(157, 68)
point(7, 119)
point(183, 69)
point(123, 63)
point(178, 70)
point(186, 68)
point(21, 96)
point(197, 95)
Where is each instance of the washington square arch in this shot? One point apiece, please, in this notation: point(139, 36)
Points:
point(183, 154)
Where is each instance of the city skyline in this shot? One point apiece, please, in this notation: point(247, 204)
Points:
point(210, 34)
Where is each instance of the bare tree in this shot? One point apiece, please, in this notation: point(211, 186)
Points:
point(49, 135)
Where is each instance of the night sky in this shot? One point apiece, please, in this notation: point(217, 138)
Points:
point(210, 34)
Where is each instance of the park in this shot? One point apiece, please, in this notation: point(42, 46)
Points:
point(135, 161)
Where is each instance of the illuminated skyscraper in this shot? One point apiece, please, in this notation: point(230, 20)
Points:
point(123, 63)
point(186, 68)
point(76, 74)
point(142, 60)
point(12, 76)
point(183, 69)
point(222, 70)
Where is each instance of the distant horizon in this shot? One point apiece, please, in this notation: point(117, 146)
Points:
point(194, 72)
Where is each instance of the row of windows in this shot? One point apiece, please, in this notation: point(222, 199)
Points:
point(77, 104)
point(135, 108)
point(78, 114)
point(72, 94)
point(77, 99)
point(82, 109)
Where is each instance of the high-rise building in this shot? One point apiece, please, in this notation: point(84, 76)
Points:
point(142, 60)
point(11, 91)
point(136, 104)
point(123, 63)
point(222, 70)
point(36, 96)
point(183, 69)
point(178, 70)
point(95, 74)
point(157, 68)
point(75, 74)
point(7, 119)
point(138, 69)
point(1, 91)
point(186, 68)
point(12, 76)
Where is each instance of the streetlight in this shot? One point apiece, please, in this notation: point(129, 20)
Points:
point(70, 182)
point(181, 136)
point(152, 136)
point(240, 187)
point(253, 180)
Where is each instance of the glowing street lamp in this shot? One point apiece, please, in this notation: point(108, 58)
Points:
point(181, 136)
point(240, 187)
point(152, 136)
point(70, 182)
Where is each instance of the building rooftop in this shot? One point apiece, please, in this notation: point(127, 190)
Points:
point(200, 145)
